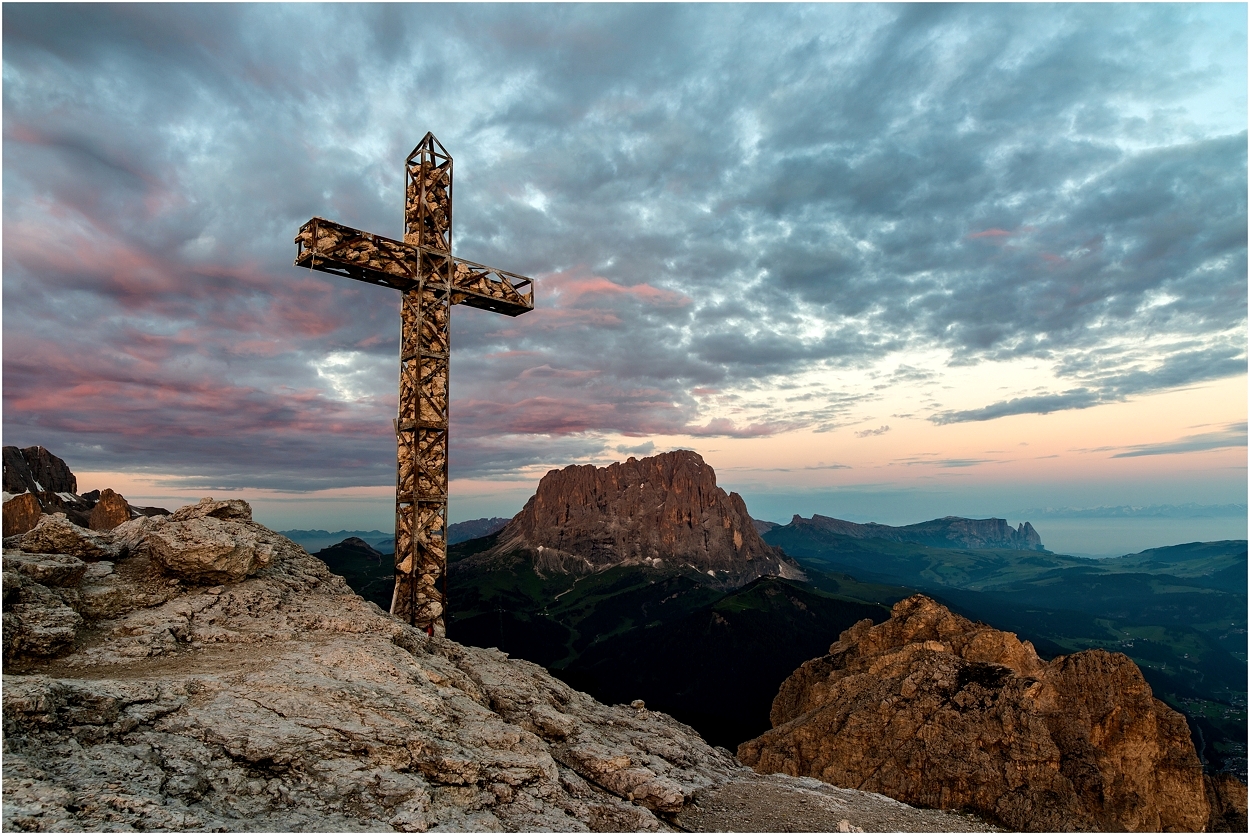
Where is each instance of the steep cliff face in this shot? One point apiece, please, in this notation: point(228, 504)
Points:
point(36, 470)
point(201, 672)
point(947, 532)
point(660, 511)
point(932, 709)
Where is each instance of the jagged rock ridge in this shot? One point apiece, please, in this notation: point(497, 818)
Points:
point(947, 532)
point(144, 691)
point(934, 710)
point(662, 511)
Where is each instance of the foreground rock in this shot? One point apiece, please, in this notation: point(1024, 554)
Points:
point(932, 709)
point(663, 511)
point(283, 701)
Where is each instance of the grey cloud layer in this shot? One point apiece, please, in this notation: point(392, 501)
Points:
point(717, 197)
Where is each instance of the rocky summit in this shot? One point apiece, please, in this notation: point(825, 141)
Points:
point(935, 710)
point(662, 511)
point(198, 671)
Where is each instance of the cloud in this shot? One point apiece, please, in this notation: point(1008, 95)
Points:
point(1234, 435)
point(868, 433)
point(641, 449)
point(1042, 404)
point(714, 200)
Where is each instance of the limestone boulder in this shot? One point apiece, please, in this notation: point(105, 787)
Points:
point(37, 623)
point(209, 548)
point(934, 710)
point(46, 569)
point(56, 534)
point(208, 507)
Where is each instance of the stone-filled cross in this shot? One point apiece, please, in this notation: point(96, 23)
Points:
point(431, 280)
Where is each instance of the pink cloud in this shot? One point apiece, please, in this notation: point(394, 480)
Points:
point(573, 288)
point(639, 412)
point(724, 427)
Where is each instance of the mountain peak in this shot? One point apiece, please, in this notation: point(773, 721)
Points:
point(662, 510)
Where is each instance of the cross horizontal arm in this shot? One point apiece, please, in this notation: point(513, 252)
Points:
point(341, 250)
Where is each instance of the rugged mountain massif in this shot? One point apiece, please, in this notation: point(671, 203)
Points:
point(646, 580)
point(947, 532)
point(37, 482)
point(198, 671)
point(662, 511)
point(933, 709)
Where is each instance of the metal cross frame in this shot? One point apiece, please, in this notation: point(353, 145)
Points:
point(431, 279)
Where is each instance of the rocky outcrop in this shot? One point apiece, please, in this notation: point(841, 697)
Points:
point(284, 702)
point(660, 511)
point(55, 534)
point(211, 542)
point(934, 710)
point(110, 511)
point(21, 513)
point(947, 532)
point(1227, 797)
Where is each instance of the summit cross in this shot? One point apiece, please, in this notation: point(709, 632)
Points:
point(431, 280)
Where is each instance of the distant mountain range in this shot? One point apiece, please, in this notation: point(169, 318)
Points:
point(947, 532)
point(314, 541)
point(1154, 511)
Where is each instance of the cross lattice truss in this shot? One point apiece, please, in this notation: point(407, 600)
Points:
point(431, 279)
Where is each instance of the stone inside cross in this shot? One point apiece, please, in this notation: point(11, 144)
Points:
point(422, 267)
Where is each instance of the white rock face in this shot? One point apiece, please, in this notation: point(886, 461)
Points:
point(283, 701)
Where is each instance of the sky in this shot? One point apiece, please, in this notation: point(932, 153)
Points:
point(879, 262)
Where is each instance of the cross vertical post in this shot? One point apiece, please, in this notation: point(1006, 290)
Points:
point(431, 280)
point(425, 353)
